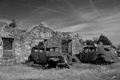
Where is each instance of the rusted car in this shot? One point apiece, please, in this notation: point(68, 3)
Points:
point(98, 55)
point(47, 57)
point(50, 57)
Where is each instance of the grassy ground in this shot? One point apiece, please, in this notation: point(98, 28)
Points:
point(77, 72)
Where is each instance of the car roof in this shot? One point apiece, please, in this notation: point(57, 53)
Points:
point(89, 47)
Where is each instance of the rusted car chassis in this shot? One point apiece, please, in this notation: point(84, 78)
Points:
point(51, 58)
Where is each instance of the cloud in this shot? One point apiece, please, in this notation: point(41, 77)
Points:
point(104, 24)
point(5, 20)
point(73, 28)
point(73, 16)
point(108, 25)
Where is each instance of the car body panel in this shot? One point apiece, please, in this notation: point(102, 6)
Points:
point(88, 54)
point(38, 55)
point(107, 54)
point(91, 54)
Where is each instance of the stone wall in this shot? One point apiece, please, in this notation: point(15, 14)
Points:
point(18, 51)
point(0, 48)
point(76, 45)
point(32, 38)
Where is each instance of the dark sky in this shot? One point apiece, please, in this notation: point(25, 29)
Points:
point(89, 18)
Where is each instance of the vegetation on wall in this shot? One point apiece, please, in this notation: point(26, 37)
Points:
point(13, 24)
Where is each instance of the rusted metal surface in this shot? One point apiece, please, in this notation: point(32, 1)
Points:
point(96, 54)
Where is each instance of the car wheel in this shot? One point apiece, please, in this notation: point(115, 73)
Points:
point(100, 61)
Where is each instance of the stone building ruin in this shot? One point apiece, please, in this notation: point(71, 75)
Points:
point(16, 44)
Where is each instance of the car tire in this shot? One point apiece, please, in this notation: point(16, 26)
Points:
point(100, 61)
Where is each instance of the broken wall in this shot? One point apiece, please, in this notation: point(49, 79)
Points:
point(32, 38)
point(0, 48)
point(76, 45)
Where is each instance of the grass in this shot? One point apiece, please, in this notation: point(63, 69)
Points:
point(77, 72)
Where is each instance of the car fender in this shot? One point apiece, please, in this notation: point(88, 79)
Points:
point(106, 58)
point(72, 58)
point(54, 59)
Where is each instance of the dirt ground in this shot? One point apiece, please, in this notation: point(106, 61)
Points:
point(76, 72)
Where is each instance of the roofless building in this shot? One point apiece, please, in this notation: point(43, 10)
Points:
point(16, 44)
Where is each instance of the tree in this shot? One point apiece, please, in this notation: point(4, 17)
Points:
point(104, 40)
point(89, 42)
point(13, 23)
